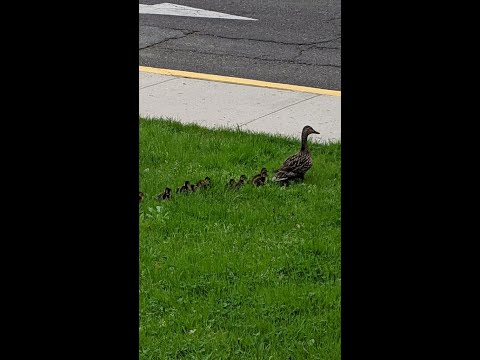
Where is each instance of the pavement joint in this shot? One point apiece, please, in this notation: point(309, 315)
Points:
point(160, 82)
point(283, 108)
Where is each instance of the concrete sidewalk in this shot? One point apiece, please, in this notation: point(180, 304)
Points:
point(217, 104)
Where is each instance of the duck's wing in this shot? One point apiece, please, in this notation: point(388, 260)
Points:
point(295, 166)
point(287, 170)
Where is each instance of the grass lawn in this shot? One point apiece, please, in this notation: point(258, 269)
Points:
point(252, 273)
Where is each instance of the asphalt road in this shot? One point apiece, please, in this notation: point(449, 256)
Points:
point(294, 41)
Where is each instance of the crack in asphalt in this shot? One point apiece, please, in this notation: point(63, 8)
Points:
point(259, 40)
point(185, 34)
point(272, 41)
point(324, 47)
point(301, 51)
point(307, 46)
point(333, 19)
point(292, 61)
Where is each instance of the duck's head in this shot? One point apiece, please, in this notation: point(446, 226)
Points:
point(207, 180)
point(307, 130)
point(243, 177)
point(264, 171)
point(231, 182)
point(167, 190)
point(186, 183)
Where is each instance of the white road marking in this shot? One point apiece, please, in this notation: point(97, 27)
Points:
point(180, 10)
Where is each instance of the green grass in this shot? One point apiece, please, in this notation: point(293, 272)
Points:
point(247, 274)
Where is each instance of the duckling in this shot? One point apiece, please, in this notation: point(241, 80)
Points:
point(185, 187)
point(165, 195)
point(231, 183)
point(205, 183)
point(260, 179)
point(193, 187)
point(295, 167)
point(240, 182)
point(140, 197)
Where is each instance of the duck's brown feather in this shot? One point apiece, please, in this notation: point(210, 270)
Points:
point(295, 166)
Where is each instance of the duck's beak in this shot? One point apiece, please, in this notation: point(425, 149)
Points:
point(315, 132)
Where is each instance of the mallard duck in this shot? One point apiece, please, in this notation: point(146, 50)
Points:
point(184, 188)
point(140, 197)
point(298, 164)
point(240, 182)
point(260, 179)
point(165, 195)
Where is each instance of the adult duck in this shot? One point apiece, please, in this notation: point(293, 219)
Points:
point(298, 164)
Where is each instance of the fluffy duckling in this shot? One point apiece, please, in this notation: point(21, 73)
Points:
point(240, 182)
point(165, 195)
point(260, 179)
point(140, 197)
point(231, 183)
point(193, 187)
point(185, 187)
point(205, 183)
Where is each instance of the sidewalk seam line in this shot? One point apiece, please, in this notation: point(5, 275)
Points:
point(161, 82)
point(273, 112)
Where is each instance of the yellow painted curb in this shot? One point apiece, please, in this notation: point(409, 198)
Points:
point(239, 81)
